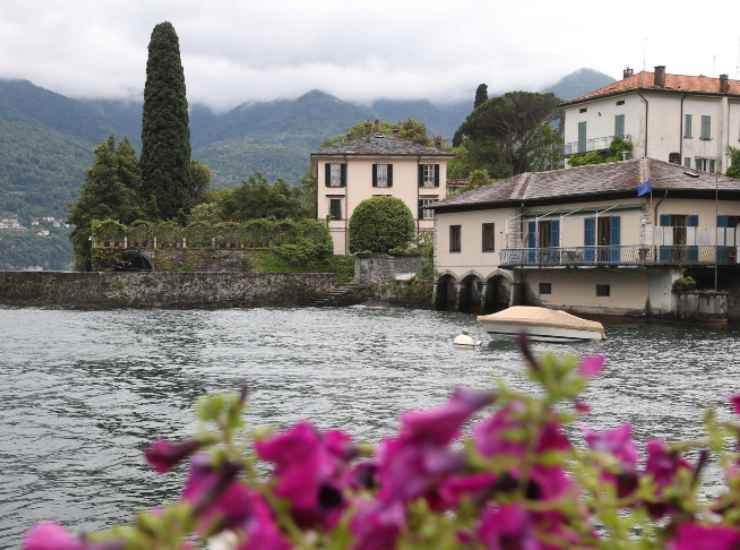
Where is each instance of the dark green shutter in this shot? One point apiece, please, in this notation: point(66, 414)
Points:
point(419, 209)
point(619, 126)
point(688, 119)
point(421, 175)
point(390, 175)
point(375, 175)
point(582, 137)
point(436, 175)
point(706, 127)
point(344, 174)
point(327, 174)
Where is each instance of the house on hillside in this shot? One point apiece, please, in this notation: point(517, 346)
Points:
point(688, 120)
point(581, 239)
point(378, 165)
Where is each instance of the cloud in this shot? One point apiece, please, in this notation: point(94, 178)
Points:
point(236, 51)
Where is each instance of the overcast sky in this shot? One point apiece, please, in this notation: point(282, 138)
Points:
point(242, 50)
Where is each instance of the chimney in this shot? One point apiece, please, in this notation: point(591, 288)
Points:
point(438, 141)
point(724, 84)
point(659, 76)
point(628, 72)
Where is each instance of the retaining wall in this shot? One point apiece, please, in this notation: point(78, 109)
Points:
point(383, 268)
point(166, 290)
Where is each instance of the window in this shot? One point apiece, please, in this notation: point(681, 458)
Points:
point(619, 126)
point(687, 120)
point(583, 109)
point(425, 212)
point(455, 238)
point(687, 162)
point(620, 102)
point(335, 209)
point(706, 127)
point(429, 175)
point(336, 174)
point(705, 165)
point(545, 288)
point(489, 237)
point(382, 175)
point(582, 137)
point(674, 158)
point(603, 290)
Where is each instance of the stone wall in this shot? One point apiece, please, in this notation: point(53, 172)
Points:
point(383, 268)
point(166, 290)
point(701, 305)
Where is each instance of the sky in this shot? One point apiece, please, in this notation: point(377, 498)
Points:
point(252, 50)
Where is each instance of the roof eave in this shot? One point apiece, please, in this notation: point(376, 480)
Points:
point(581, 100)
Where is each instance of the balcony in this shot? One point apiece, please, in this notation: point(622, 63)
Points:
point(619, 256)
point(593, 144)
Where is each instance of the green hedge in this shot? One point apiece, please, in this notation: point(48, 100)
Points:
point(380, 224)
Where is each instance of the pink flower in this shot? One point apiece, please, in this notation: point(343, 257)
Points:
point(616, 442)
point(50, 536)
point(699, 537)
point(505, 527)
point(591, 365)
point(261, 530)
point(582, 407)
point(662, 464)
point(310, 471)
point(163, 455)
point(492, 435)
point(548, 482)
point(735, 402)
point(442, 424)
point(457, 487)
point(375, 526)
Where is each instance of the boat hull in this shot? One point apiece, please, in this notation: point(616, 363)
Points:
point(541, 333)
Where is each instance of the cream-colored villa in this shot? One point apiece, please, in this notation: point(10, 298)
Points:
point(582, 239)
point(378, 165)
point(688, 120)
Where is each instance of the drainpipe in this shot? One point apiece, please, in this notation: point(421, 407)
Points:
point(680, 135)
point(657, 205)
point(645, 101)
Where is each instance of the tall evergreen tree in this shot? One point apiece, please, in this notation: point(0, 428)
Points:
point(481, 95)
point(165, 134)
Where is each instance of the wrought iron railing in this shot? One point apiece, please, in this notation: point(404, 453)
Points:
point(593, 144)
point(616, 255)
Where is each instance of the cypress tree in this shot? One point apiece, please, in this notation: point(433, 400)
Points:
point(481, 95)
point(165, 134)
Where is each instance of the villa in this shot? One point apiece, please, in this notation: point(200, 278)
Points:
point(582, 239)
point(378, 165)
point(688, 120)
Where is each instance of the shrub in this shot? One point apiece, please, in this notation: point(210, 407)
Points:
point(687, 282)
point(379, 224)
point(517, 482)
point(309, 244)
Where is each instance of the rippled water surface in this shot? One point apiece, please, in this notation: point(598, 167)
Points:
point(81, 393)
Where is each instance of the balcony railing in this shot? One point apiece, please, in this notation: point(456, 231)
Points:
point(593, 144)
point(616, 255)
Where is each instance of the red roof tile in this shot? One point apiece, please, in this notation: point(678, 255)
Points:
point(645, 80)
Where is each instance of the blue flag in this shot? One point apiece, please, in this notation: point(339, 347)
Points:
point(645, 187)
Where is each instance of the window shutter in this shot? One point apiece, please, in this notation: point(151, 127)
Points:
point(614, 230)
point(421, 175)
point(693, 221)
point(665, 220)
point(327, 174)
point(344, 174)
point(532, 234)
point(436, 175)
point(390, 175)
point(555, 234)
point(619, 126)
point(706, 127)
point(723, 221)
point(420, 209)
point(687, 124)
point(582, 137)
point(589, 235)
point(375, 175)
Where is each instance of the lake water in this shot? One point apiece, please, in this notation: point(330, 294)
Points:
point(81, 393)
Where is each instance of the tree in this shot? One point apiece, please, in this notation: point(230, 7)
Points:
point(109, 192)
point(516, 128)
point(410, 129)
point(379, 224)
point(200, 180)
point(258, 198)
point(165, 134)
point(734, 170)
point(481, 95)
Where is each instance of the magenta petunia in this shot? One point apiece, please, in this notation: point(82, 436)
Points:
point(457, 487)
point(376, 526)
point(735, 402)
point(582, 407)
point(663, 464)
point(507, 526)
point(700, 537)
point(616, 442)
point(591, 366)
point(548, 482)
point(552, 438)
point(261, 530)
point(163, 455)
point(492, 436)
point(442, 424)
point(51, 536)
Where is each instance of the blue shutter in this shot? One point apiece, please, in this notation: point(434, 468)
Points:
point(723, 254)
point(665, 251)
point(614, 239)
point(665, 220)
point(693, 251)
point(589, 236)
point(555, 233)
point(693, 220)
point(723, 221)
point(531, 242)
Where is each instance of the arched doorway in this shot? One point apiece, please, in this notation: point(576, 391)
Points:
point(498, 294)
point(446, 296)
point(133, 260)
point(470, 294)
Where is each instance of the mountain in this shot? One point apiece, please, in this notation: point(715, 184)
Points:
point(578, 83)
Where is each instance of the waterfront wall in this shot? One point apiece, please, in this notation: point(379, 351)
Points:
point(701, 305)
point(166, 290)
point(384, 268)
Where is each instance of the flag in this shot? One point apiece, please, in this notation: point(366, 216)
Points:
point(645, 187)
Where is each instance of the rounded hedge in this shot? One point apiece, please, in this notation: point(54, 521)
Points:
point(379, 224)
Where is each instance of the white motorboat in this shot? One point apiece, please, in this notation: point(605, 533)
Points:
point(542, 324)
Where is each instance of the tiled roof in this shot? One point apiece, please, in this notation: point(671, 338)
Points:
point(590, 181)
point(645, 80)
point(381, 145)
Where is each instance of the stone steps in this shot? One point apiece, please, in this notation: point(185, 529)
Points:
point(340, 295)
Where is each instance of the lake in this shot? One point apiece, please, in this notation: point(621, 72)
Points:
point(83, 392)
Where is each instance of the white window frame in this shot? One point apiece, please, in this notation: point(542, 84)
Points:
point(708, 165)
point(381, 175)
point(335, 175)
point(428, 175)
point(426, 212)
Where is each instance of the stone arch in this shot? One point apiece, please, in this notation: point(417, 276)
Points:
point(498, 294)
point(445, 295)
point(471, 292)
point(133, 260)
